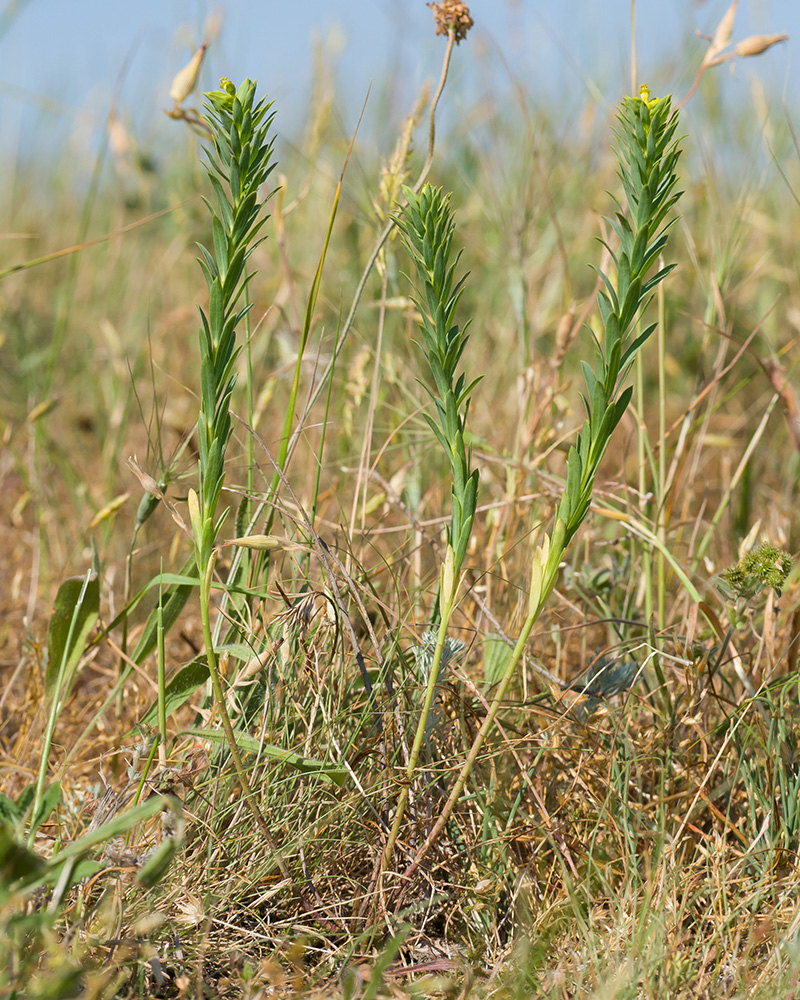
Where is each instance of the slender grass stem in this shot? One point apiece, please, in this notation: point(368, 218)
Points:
point(735, 479)
point(384, 235)
point(161, 661)
point(642, 462)
point(430, 691)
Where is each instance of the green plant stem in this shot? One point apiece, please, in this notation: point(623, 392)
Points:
point(312, 514)
point(162, 681)
point(154, 746)
point(222, 710)
point(661, 500)
point(249, 381)
point(126, 596)
point(219, 702)
point(486, 728)
point(413, 759)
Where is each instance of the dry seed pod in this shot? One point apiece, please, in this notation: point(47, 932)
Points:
point(148, 484)
point(263, 543)
point(756, 44)
point(186, 80)
point(723, 33)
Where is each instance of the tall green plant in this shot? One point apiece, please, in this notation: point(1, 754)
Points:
point(648, 154)
point(428, 228)
point(239, 163)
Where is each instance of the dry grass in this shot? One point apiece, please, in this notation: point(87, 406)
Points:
point(643, 844)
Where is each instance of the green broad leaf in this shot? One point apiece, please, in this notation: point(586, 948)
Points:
point(216, 307)
point(207, 384)
point(434, 427)
point(464, 394)
point(635, 345)
point(649, 285)
point(248, 743)
point(599, 405)
point(589, 377)
point(18, 864)
point(496, 656)
point(10, 813)
point(207, 263)
point(180, 687)
point(85, 868)
point(613, 332)
point(389, 952)
point(225, 208)
point(25, 800)
point(76, 610)
point(237, 650)
point(633, 299)
point(606, 300)
point(622, 404)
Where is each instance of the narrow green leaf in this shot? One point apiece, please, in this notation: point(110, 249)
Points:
point(248, 743)
point(220, 247)
point(76, 610)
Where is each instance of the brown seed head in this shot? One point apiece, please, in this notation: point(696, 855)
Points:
point(452, 15)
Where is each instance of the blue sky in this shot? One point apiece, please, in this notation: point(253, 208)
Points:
point(63, 61)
